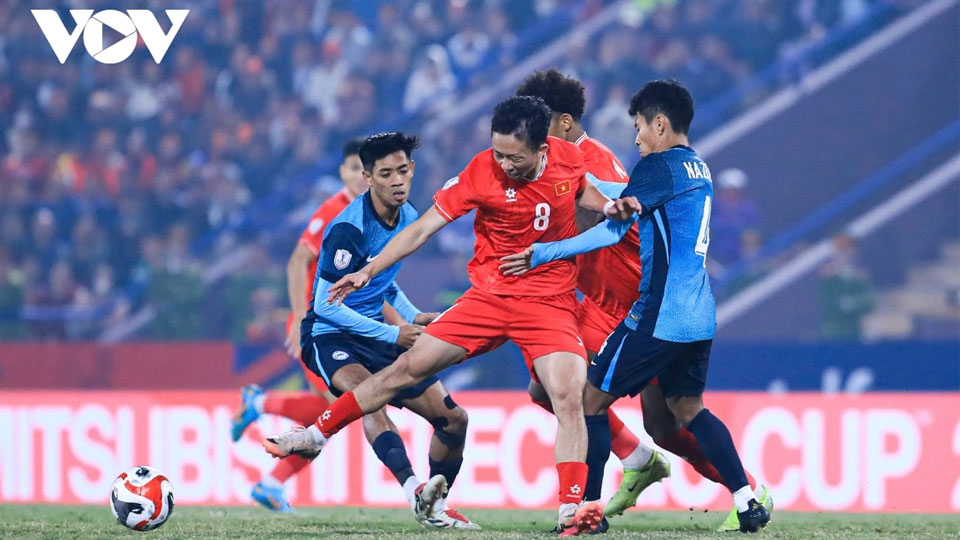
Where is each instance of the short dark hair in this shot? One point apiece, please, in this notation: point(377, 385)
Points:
point(525, 117)
point(352, 148)
point(382, 145)
point(561, 93)
point(667, 97)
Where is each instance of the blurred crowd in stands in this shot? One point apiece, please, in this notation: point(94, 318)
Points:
point(139, 190)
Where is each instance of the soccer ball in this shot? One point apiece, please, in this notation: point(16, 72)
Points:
point(141, 499)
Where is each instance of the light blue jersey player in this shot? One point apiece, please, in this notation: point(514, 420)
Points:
point(670, 328)
point(345, 343)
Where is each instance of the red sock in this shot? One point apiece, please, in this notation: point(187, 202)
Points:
point(622, 441)
point(288, 467)
point(684, 444)
point(547, 406)
point(301, 407)
point(341, 412)
point(573, 480)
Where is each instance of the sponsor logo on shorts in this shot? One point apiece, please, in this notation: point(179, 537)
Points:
point(340, 355)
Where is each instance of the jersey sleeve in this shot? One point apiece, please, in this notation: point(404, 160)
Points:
point(651, 182)
point(611, 189)
point(342, 252)
point(348, 320)
point(312, 236)
point(601, 235)
point(458, 196)
point(401, 303)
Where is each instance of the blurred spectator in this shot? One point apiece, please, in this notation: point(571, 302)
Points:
point(468, 47)
point(58, 291)
point(734, 217)
point(845, 292)
point(615, 124)
point(431, 81)
point(12, 284)
point(320, 85)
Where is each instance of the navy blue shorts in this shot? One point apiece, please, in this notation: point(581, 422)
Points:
point(326, 353)
point(628, 361)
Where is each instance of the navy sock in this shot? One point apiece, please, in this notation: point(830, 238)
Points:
point(449, 469)
point(598, 451)
point(389, 448)
point(715, 441)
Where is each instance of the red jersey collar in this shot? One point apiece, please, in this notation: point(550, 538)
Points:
point(543, 168)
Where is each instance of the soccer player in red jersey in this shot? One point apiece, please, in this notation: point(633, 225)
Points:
point(608, 297)
point(304, 407)
point(525, 188)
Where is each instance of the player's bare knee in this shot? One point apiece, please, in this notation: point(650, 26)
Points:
point(658, 429)
point(376, 423)
point(567, 403)
point(457, 420)
point(685, 408)
point(450, 428)
point(595, 401)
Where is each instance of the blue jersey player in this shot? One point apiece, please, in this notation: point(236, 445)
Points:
point(670, 328)
point(345, 344)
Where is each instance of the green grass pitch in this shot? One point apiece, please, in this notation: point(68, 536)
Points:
point(95, 522)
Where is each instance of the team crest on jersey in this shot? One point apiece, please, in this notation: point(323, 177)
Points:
point(562, 188)
point(341, 259)
point(450, 183)
point(511, 195)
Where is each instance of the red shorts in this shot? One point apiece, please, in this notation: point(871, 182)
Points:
point(480, 322)
point(595, 324)
point(314, 380)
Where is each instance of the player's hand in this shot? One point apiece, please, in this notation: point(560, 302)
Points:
point(293, 341)
point(348, 284)
point(518, 263)
point(408, 335)
point(623, 209)
point(424, 319)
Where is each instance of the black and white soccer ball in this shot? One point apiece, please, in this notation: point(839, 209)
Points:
point(141, 499)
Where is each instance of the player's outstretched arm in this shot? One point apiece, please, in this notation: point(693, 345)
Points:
point(405, 308)
point(617, 210)
point(604, 234)
point(402, 245)
point(349, 320)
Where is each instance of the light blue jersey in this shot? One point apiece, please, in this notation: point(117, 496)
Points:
point(355, 237)
point(676, 190)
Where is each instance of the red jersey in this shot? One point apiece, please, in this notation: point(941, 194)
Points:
point(513, 214)
point(312, 236)
point(610, 276)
